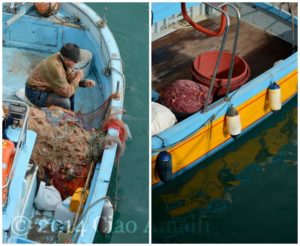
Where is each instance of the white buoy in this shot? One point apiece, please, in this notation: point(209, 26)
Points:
point(107, 217)
point(274, 94)
point(233, 122)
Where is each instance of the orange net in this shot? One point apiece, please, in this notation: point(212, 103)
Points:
point(118, 125)
point(67, 182)
point(64, 148)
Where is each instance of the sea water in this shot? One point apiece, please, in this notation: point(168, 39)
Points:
point(247, 193)
point(129, 25)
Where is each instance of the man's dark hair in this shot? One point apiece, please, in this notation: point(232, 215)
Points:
point(71, 51)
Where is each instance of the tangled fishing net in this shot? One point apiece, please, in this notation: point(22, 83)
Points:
point(65, 147)
point(184, 96)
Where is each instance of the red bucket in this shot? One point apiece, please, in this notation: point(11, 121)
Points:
point(204, 65)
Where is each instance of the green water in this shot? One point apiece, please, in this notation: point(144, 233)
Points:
point(129, 25)
point(245, 194)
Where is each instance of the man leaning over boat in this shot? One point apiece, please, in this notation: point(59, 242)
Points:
point(54, 81)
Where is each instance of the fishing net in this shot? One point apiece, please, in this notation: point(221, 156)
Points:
point(67, 144)
point(93, 119)
point(184, 96)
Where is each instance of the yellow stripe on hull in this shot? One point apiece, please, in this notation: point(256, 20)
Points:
point(215, 134)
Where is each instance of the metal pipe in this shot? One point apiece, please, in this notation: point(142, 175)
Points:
point(234, 48)
point(220, 54)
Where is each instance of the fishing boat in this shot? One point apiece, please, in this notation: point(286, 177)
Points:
point(28, 37)
point(258, 41)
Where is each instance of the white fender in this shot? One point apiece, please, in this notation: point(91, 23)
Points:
point(233, 122)
point(107, 217)
point(274, 93)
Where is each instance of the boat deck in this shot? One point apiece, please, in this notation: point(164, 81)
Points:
point(173, 54)
point(42, 229)
point(17, 65)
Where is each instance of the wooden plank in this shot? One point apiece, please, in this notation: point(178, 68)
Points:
point(173, 55)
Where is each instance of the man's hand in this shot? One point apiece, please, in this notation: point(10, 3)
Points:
point(89, 83)
point(79, 74)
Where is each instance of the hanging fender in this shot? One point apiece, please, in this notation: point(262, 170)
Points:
point(164, 166)
point(107, 218)
point(233, 122)
point(200, 28)
point(274, 94)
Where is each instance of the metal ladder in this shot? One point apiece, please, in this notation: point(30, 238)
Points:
point(219, 9)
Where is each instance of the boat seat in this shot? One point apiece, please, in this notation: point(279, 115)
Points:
point(85, 62)
point(21, 95)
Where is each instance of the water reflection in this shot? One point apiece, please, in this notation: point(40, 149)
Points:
point(208, 190)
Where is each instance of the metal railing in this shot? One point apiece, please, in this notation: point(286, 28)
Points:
point(218, 8)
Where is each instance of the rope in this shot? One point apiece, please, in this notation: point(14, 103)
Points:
point(67, 20)
point(94, 203)
point(118, 125)
point(51, 9)
point(117, 59)
point(107, 72)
